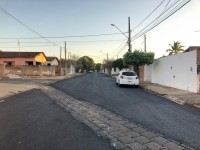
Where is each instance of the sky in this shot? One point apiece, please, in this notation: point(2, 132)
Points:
point(45, 25)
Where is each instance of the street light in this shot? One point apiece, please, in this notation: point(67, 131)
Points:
point(119, 30)
point(129, 34)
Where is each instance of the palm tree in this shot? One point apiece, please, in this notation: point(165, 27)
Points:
point(176, 48)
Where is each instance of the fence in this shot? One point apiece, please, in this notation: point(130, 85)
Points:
point(1, 71)
point(30, 70)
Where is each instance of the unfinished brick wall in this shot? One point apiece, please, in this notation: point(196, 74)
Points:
point(141, 73)
point(1, 71)
point(30, 70)
point(13, 70)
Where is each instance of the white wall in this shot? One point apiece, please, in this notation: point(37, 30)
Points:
point(53, 62)
point(147, 72)
point(115, 71)
point(178, 71)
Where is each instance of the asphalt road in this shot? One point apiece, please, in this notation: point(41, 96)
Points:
point(150, 111)
point(33, 121)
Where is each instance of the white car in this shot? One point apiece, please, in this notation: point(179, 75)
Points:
point(127, 78)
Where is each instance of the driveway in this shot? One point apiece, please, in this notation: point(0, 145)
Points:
point(150, 111)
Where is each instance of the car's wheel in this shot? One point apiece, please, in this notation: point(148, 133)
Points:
point(119, 84)
point(135, 86)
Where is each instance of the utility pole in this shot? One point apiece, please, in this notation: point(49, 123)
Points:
point(19, 47)
point(65, 60)
point(60, 52)
point(145, 43)
point(107, 57)
point(19, 52)
point(60, 60)
point(129, 35)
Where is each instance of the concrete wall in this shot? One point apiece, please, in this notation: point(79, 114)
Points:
point(115, 71)
point(147, 73)
point(52, 63)
point(1, 71)
point(30, 70)
point(178, 71)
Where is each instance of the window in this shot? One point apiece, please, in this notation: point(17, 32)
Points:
point(38, 63)
point(9, 63)
point(128, 74)
point(29, 63)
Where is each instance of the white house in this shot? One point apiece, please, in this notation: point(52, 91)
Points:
point(52, 61)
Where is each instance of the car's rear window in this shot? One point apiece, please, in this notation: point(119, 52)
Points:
point(128, 73)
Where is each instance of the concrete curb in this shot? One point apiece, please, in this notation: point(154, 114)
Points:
point(173, 98)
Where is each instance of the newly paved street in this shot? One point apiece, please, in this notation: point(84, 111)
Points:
point(33, 121)
point(152, 112)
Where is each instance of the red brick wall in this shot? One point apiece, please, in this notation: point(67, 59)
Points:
point(141, 73)
point(192, 48)
point(198, 57)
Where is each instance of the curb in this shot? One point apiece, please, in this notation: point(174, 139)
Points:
point(171, 98)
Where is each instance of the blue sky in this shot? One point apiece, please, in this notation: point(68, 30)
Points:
point(53, 18)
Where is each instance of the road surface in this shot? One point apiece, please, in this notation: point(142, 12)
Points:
point(150, 111)
point(33, 121)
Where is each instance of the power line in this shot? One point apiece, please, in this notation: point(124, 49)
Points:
point(95, 41)
point(170, 13)
point(164, 11)
point(13, 17)
point(148, 15)
point(119, 46)
point(69, 36)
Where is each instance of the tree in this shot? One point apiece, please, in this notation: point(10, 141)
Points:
point(85, 63)
point(118, 63)
point(138, 58)
point(175, 48)
point(108, 64)
point(98, 67)
point(74, 59)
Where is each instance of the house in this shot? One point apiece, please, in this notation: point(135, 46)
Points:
point(52, 61)
point(22, 58)
point(181, 71)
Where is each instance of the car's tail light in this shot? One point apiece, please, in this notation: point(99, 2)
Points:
point(121, 77)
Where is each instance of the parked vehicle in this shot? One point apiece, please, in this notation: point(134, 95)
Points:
point(127, 78)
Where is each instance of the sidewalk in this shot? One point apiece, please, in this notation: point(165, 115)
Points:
point(179, 96)
point(9, 89)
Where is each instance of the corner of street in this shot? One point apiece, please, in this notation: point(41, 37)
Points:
point(137, 122)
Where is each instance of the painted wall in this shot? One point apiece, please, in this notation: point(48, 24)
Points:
point(17, 61)
point(115, 71)
point(178, 71)
point(52, 63)
point(147, 73)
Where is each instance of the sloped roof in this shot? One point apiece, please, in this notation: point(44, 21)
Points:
point(4, 54)
point(52, 58)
